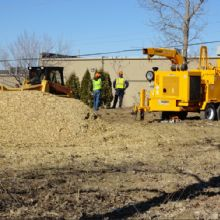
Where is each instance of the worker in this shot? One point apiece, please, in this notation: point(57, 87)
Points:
point(97, 86)
point(120, 85)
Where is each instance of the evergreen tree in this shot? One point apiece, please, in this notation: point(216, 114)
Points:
point(106, 95)
point(73, 82)
point(86, 89)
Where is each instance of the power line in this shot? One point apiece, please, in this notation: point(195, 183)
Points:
point(139, 49)
point(206, 42)
point(109, 52)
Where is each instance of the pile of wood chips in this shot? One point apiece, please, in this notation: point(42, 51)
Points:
point(36, 117)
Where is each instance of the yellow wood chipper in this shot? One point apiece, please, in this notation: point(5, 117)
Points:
point(178, 91)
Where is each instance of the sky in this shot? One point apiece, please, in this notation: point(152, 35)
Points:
point(93, 26)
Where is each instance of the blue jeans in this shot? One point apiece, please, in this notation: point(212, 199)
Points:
point(96, 99)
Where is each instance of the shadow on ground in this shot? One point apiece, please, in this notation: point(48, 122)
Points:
point(190, 191)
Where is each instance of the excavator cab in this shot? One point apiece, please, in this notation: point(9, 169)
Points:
point(52, 76)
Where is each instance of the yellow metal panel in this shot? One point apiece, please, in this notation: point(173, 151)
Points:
point(170, 86)
point(172, 90)
point(142, 98)
point(218, 63)
point(45, 86)
point(214, 90)
point(163, 105)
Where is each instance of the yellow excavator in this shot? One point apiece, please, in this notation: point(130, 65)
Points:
point(45, 79)
point(178, 91)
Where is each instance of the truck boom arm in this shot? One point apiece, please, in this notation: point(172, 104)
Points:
point(172, 54)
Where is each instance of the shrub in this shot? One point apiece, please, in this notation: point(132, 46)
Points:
point(106, 95)
point(73, 82)
point(86, 89)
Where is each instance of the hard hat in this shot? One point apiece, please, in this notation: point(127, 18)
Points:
point(120, 73)
point(97, 74)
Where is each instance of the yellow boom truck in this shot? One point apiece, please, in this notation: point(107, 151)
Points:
point(45, 79)
point(178, 91)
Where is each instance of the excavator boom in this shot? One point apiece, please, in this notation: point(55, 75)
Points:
point(172, 54)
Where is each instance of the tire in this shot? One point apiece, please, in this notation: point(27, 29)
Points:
point(210, 112)
point(184, 67)
point(218, 113)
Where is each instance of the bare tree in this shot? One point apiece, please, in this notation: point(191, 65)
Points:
point(26, 50)
point(178, 20)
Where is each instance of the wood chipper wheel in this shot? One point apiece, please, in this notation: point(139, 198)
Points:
point(210, 113)
point(218, 112)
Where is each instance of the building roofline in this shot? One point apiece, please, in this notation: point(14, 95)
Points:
point(110, 58)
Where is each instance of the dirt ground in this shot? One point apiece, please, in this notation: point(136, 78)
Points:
point(58, 166)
